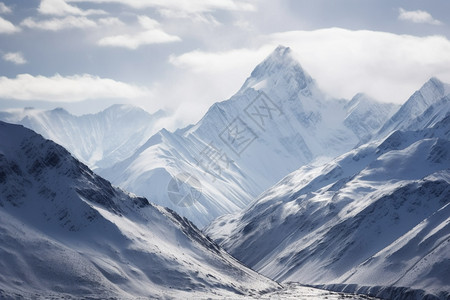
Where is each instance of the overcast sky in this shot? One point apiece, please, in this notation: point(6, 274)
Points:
point(184, 55)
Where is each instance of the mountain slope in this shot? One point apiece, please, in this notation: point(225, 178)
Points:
point(99, 140)
point(422, 254)
point(375, 216)
point(66, 232)
point(278, 121)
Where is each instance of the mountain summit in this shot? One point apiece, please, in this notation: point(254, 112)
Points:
point(281, 72)
point(279, 69)
point(430, 96)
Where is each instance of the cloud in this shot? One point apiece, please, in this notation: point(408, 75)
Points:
point(199, 11)
point(67, 89)
point(213, 62)
point(57, 24)
point(387, 66)
point(15, 57)
point(205, 18)
point(4, 9)
point(110, 21)
point(61, 8)
point(191, 6)
point(152, 34)
point(69, 17)
point(7, 27)
point(417, 16)
point(207, 77)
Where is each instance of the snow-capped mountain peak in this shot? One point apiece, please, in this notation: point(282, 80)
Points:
point(431, 93)
point(280, 60)
point(280, 70)
point(436, 87)
point(357, 100)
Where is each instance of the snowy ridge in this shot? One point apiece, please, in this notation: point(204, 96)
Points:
point(428, 95)
point(433, 114)
point(67, 232)
point(99, 140)
point(279, 115)
point(376, 216)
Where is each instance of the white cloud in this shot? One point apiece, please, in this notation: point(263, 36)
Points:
point(4, 9)
point(191, 6)
point(387, 66)
point(244, 25)
point(148, 23)
point(197, 17)
point(207, 77)
point(7, 27)
point(152, 34)
point(417, 16)
point(61, 8)
point(15, 57)
point(213, 62)
point(111, 21)
point(67, 89)
point(56, 24)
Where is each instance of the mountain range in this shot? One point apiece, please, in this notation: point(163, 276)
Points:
point(375, 220)
point(65, 231)
point(277, 122)
point(346, 195)
point(279, 114)
point(98, 140)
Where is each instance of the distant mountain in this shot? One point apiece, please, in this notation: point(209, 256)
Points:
point(365, 115)
point(426, 98)
point(277, 122)
point(374, 220)
point(99, 140)
point(67, 233)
